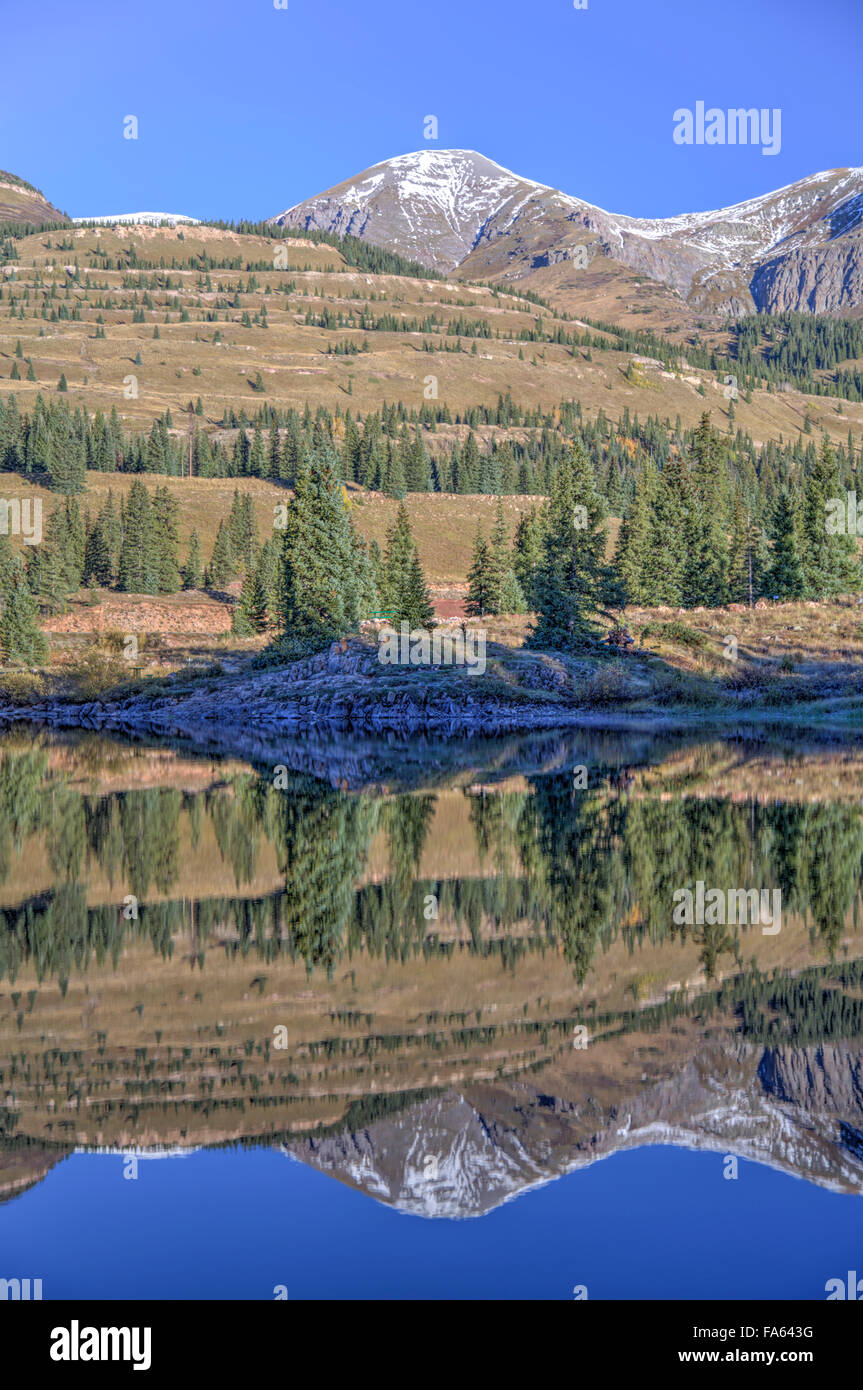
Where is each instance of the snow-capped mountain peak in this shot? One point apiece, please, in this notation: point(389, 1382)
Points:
point(800, 246)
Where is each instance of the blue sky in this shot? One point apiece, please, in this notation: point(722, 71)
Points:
point(245, 109)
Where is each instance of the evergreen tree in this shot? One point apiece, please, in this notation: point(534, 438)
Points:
point(665, 569)
point(499, 557)
point(243, 530)
point(528, 554)
point(830, 560)
point(21, 638)
point(416, 605)
point(706, 574)
point(166, 539)
point(251, 614)
point(633, 549)
point(483, 589)
point(275, 460)
point(139, 565)
point(320, 593)
point(102, 550)
point(222, 567)
point(572, 573)
point(785, 578)
point(192, 567)
point(512, 599)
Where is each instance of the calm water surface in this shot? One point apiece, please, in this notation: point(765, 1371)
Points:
point(380, 1021)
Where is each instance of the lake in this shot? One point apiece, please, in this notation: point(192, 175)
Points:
point(371, 1019)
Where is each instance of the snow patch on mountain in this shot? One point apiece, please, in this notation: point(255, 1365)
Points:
point(153, 219)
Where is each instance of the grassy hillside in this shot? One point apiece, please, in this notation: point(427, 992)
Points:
point(193, 278)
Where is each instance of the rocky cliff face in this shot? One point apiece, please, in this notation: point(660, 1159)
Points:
point(800, 247)
point(21, 202)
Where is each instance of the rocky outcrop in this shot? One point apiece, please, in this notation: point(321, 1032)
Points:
point(822, 280)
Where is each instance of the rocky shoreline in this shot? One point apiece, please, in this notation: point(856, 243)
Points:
point(342, 691)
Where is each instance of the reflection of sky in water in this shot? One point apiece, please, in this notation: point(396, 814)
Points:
point(654, 1223)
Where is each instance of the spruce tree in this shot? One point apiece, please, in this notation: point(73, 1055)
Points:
point(21, 638)
point(665, 569)
point(192, 567)
point(251, 614)
point(572, 573)
point(528, 553)
point(633, 548)
point(222, 567)
point(397, 559)
point(483, 587)
point(138, 569)
point(706, 575)
point(320, 591)
point(511, 598)
point(785, 577)
point(416, 605)
point(499, 557)
point(166, 540)
point(275, 459)
point(830, 561)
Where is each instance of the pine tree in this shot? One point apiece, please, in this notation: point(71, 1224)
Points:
point(21, 638)
point(251, 614)
point(166, 540)
point(243, 529)
point(499, 557)
point(512, 599)
point(222, 567)
point(397, 559)
point(268, 570)
point(745, 574)
point(258, 457)
point(665, 569)
point(785, 578)
point(395, 483)
point(528, 554)
point(483, 586)
point(706, 575)
point(572, 572)
point(192, 567)
point(633, 550)
point(275, 459)
point(416, 603)
point(102, 550)
point(320, 592)
point(138, 568)
point(830, 560)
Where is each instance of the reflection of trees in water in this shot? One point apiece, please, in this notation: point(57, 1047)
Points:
point(566, 842)
point(323, 840)
point(572, 866)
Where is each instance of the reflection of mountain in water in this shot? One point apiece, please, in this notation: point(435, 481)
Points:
point(463, 1153)
point(428, 1055)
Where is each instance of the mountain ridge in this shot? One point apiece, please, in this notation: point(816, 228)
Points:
point(798, 247)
